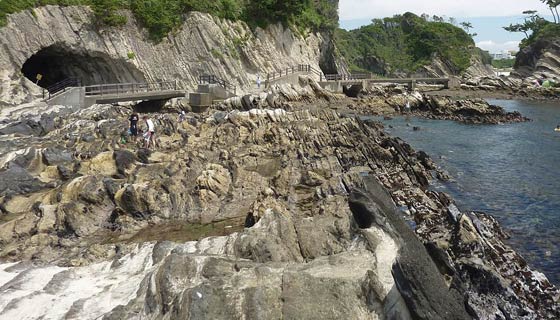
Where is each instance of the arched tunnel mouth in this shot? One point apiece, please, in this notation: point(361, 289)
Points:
point(57, 63)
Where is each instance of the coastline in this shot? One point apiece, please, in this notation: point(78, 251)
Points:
point(297, 164)
point(533, 95)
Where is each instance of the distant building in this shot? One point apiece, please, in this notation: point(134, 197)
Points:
point(502, 55)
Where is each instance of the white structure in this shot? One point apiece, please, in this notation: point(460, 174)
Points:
point(502, 55)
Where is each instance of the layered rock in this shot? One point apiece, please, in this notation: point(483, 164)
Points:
point(65, 42)
point(439, 68)
point(471, 111)
point(290, 208)
point(540, 60)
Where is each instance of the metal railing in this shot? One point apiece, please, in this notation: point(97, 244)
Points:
point(348, 76)
point(59, 87)
point(291, 70)
point(212, 79)
point(322, 77)
point(128, 88)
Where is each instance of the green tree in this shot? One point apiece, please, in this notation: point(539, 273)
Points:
point(532, 22)
point(553, 6)
point(467, 26)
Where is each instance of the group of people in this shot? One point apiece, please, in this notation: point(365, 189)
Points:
point(545, 83)
point(148, 134)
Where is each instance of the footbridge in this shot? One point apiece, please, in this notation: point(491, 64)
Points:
point(351, 81)
point(70, 92)
point(344, 82)
point(291, 74)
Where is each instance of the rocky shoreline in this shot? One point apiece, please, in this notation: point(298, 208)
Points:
point(290, 210)
point(392, 101)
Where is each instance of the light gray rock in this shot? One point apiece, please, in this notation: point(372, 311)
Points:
point(73, 45)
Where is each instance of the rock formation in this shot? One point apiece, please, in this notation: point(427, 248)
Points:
point(439, 68)
point(540, 60)
point(394, 100)
point(266, 213)
point(60, 42)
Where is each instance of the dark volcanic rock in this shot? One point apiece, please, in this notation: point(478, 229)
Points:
point(56, 156)
point(416, 276)
point(16, 180)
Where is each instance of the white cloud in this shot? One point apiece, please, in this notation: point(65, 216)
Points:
point(495, 47)
point(366, 9)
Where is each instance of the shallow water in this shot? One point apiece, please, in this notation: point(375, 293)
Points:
point(511, 171)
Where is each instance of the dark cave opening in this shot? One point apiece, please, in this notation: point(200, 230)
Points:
point(57, 63)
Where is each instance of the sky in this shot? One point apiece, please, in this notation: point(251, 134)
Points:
point(488, 17)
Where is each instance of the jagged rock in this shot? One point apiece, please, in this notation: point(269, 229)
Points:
point(540, 60)
point(289, 173)
point(16, 180)
point(472, 111)
point(106, 55)
point(55, 156)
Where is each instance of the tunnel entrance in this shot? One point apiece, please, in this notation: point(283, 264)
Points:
point(57, 63)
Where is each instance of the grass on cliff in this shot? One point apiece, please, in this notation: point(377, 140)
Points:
point(161, 17)
point(547, 31)
point(404, 43)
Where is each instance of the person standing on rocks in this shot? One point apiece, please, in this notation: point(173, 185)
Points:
point(258, 81)
point(407, 106)
point(182, 116)
point(149, 135)
point(134, 125)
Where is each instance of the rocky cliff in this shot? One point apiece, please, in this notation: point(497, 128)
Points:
point(62, 42)
point(441, 68)
point(540, 60)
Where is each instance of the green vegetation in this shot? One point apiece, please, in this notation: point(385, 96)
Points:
point(503, 63)
point(535, 27)
point(131, 55)
point(216, 54)
point(404, 43)
point(163, 16)
point(485, 56)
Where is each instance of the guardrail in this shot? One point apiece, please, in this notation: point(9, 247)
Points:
point(291, 70)
point(322, 77)
point(128, 88)
point(61, 86)
point(348, 76)
point(212, 79)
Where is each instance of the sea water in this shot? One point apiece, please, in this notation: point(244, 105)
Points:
point(511, 171)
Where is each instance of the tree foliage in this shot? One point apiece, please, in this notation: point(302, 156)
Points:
point(163, 16)
point(405, 43)
point(536, 27)
point(553, 6)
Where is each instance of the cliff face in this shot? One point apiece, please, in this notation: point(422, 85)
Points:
point(442, 68)
point(65, 42)
point(539, 60)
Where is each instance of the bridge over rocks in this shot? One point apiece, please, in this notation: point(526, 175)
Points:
point(70, 92)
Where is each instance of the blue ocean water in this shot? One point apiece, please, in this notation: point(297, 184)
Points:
point(510, 171)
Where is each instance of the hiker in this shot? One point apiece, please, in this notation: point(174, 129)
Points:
point(258, 81)
point(150, 132)
point(182, 116)
point(133, 125)
point(407, 106)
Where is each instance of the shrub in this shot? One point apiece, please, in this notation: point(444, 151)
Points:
point(163, 16)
